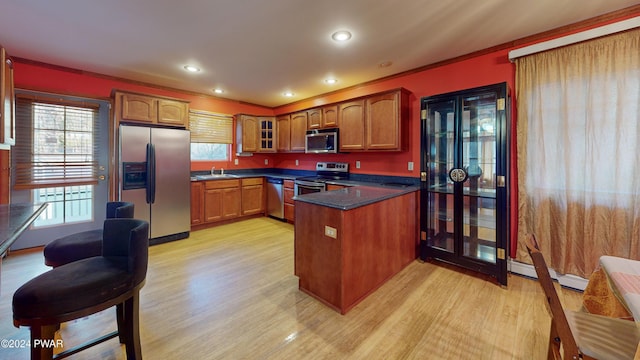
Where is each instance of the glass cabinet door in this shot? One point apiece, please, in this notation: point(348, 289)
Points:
point(463, 199)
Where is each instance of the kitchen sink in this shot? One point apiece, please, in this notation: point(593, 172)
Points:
point(216, 176)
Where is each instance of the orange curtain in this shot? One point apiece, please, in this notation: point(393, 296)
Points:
point(578, 137)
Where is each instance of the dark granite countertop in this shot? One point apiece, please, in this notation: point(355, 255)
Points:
point(14, 219)
point(355, 196)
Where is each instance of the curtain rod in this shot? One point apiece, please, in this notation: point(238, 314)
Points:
point(576, 38)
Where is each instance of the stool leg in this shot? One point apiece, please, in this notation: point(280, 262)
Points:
point(122, 329)
point(132, 325)
point(42, 349)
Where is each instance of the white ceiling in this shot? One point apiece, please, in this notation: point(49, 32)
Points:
point(258, 49)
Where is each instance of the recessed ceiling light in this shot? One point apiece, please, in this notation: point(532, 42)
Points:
point(288, 94)
point(218, 91)
point(191, 68)
point(331, 81)
point(385, 64)
point(341, 35)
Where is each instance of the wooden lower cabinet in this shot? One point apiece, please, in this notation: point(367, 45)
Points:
point(231, 203)
point(197, 203)
point(219, 200)
point(288, 189)
point(342, 256)
point(253, 196)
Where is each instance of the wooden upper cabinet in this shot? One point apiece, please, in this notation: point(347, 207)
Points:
point(283, 131)
point(172, 112)
point(384, 121)
point(7, 102)
point(330, 116)
point(324, 117)
point(351, 120)
point(314, 119)
point(298, 131)
point(374, 123)
point(267, 134)
point(246, 133)
point(141, 108)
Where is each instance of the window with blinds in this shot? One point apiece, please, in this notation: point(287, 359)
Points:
point(58, 143)
point(211, 135)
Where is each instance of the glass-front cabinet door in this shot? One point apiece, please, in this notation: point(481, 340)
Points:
point(464, 216)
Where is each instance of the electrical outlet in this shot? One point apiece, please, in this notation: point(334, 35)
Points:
point(330, 231)
point(235, 161)
point(266, 161)
point(357, 164)
point(297, 162)
point(410, 166)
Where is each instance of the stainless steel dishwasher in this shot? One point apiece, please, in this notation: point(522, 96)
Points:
point(275, 197)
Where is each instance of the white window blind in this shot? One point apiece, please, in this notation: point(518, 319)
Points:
point(56, 143)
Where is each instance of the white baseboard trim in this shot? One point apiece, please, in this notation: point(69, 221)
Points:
point(571, 281)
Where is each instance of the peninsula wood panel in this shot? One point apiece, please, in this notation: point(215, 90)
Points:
point(366, 252)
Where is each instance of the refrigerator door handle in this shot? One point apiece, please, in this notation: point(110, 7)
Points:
point(151, 174)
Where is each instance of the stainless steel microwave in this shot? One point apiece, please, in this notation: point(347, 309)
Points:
point(321, 141)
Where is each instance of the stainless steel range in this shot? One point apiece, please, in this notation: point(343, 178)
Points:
point(325, 171)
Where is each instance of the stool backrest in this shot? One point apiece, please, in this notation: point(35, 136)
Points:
point(128, 238)
point(120, 210)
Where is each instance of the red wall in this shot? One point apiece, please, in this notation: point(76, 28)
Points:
point(478, 71)
point(55, 80)
point(490, 68)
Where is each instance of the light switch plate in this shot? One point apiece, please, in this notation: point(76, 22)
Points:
point(235, 161)
point(266, 161)
point(410, 166)
point(297, 162)
point(357, 164)
point(330, 231)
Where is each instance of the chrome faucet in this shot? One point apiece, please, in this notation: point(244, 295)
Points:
point(221, 171)
point(213, 169)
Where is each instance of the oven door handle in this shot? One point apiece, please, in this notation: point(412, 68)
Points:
point(311, 184)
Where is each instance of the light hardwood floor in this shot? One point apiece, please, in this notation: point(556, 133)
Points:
point(229, 293)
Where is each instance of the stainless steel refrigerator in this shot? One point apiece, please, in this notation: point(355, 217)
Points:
point(154, 172)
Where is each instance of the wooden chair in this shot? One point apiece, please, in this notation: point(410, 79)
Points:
point(580, 335)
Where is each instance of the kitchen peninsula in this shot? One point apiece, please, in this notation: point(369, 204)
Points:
point(349, 242)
